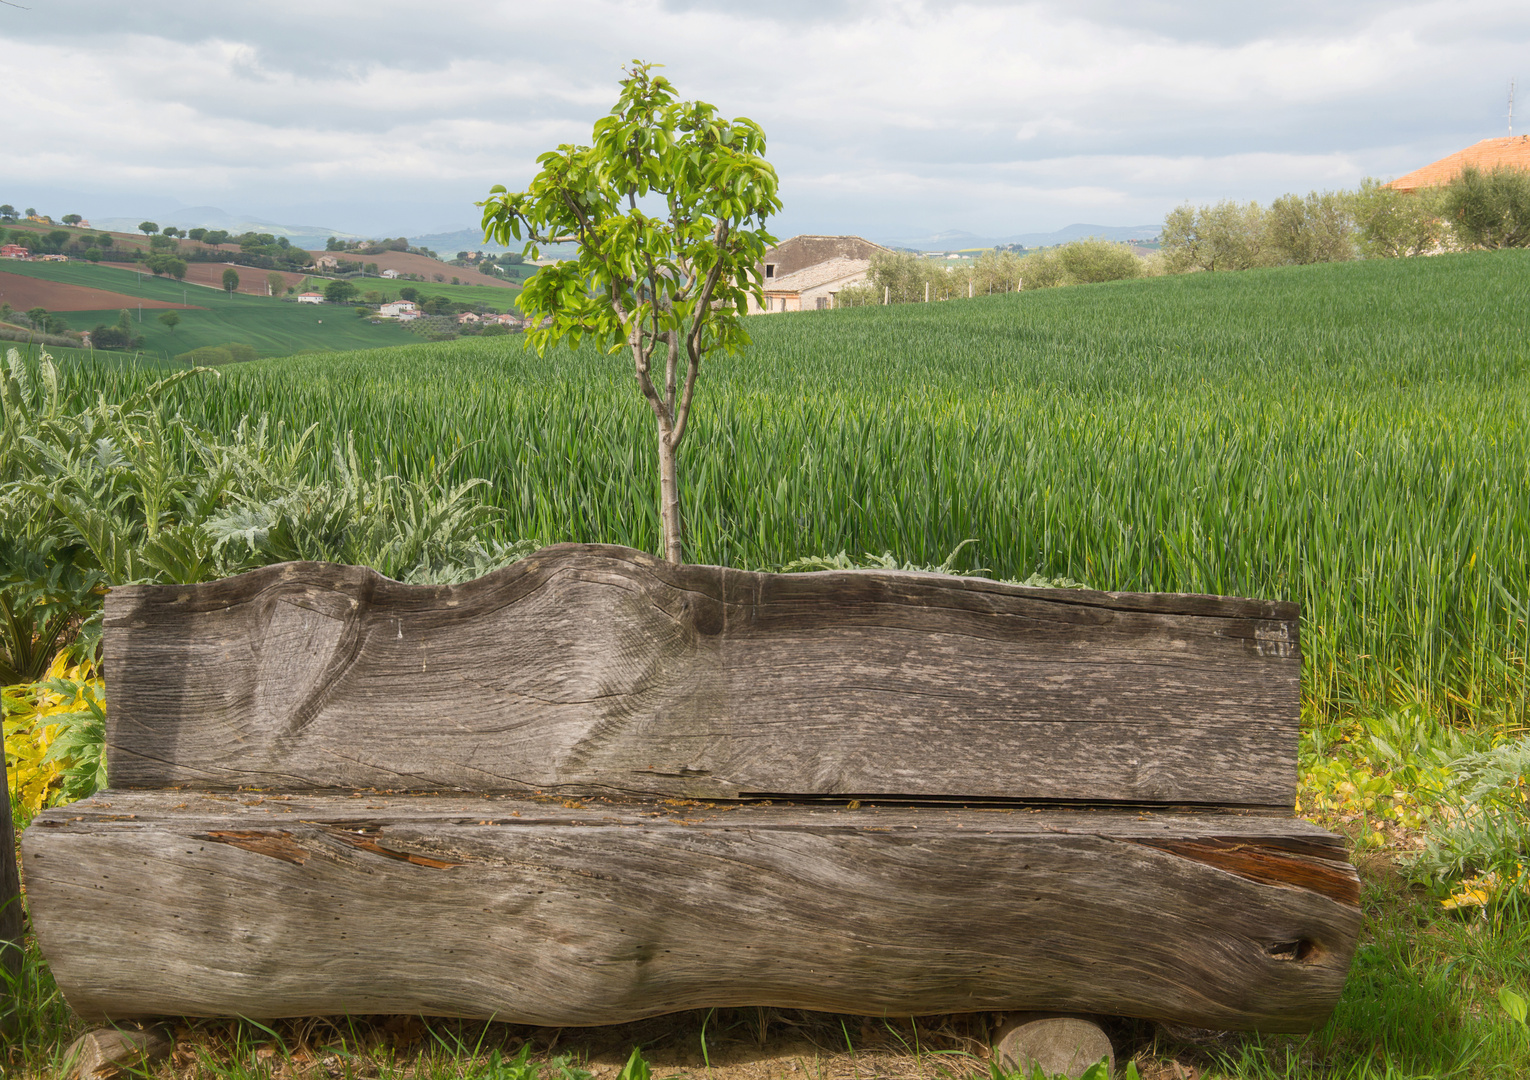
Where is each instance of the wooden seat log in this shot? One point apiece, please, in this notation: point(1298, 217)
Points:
point(594, 787)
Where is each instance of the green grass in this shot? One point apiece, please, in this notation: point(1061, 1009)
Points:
point(1355, 437)
point(495, 297)
point(273, 327)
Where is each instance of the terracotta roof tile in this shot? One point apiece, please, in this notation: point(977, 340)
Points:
point(1487, 155)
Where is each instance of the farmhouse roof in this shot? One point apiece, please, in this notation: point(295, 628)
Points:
point(801, 252)
point(823, 273)
point(1512, 151)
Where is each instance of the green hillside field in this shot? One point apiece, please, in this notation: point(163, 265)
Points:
point(274, 327)
point(1353, 436)
point(492, 297)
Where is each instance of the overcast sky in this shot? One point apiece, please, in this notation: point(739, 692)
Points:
point(892, 118)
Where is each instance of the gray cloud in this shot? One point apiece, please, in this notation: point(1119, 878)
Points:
point(886, 118)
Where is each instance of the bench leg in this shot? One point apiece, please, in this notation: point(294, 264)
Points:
point(1060, 1043)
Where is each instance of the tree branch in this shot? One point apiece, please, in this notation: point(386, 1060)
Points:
point(693, 339)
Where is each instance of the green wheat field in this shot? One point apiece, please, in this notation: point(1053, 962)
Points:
point(1355, 437)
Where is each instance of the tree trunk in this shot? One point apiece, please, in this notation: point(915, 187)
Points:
point(562, 912)
point(669, 500)
point(10, 894)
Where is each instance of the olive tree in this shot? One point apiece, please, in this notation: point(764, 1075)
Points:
point(1490, 209)
point(1317, 229)
point(667, 208)
point(1396, 223)
point(1227, 236)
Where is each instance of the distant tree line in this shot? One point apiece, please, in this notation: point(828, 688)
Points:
point(376, 247)
point(1475, 210)
point(1478, 209)
point(903, 277)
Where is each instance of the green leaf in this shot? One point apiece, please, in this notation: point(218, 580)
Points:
point(1515, 1005)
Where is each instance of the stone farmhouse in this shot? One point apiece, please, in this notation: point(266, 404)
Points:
point(1512, 151)
point(807, 272)
point(397, 309)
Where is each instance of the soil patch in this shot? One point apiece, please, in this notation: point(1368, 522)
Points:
point(23, 292)
point(719, 1044)
point(252, 279)
point(406, 263)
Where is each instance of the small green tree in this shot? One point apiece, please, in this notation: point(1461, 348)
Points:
point(7, 212)
point(1094, 260)
point(275, 284)
point(230, 280)
point(148, 228)
point(72, 219)
point(170, 320)
point(674, 283)
point(1394, 223)
point(93, 254)
point(1227, 236)
point(338, 292)
point(1490, 209)
point(1319, 228)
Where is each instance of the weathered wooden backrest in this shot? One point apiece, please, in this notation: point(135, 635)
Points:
point(589, 669)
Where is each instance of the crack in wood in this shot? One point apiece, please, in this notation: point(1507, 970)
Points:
point(276, 845)
point(365, 843)
point(1269, 864)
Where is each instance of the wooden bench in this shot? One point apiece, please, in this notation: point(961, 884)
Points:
point(594, 787)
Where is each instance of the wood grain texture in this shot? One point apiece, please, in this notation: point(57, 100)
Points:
point(590, 669)
point(110, 1052)
point(589, 912)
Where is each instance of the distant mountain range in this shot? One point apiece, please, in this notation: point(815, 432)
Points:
point(958, 241)
point(449, 243)
point(471, 239)
point(210, 217)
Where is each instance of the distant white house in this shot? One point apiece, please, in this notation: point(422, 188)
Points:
point(815, 286)
point(398, 309)
point(409, 316)
point(390, 273)
point(311, 298)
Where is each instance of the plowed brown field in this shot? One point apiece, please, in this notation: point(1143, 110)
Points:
point(405, 263)
point(252, 279)
point(24, 293)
